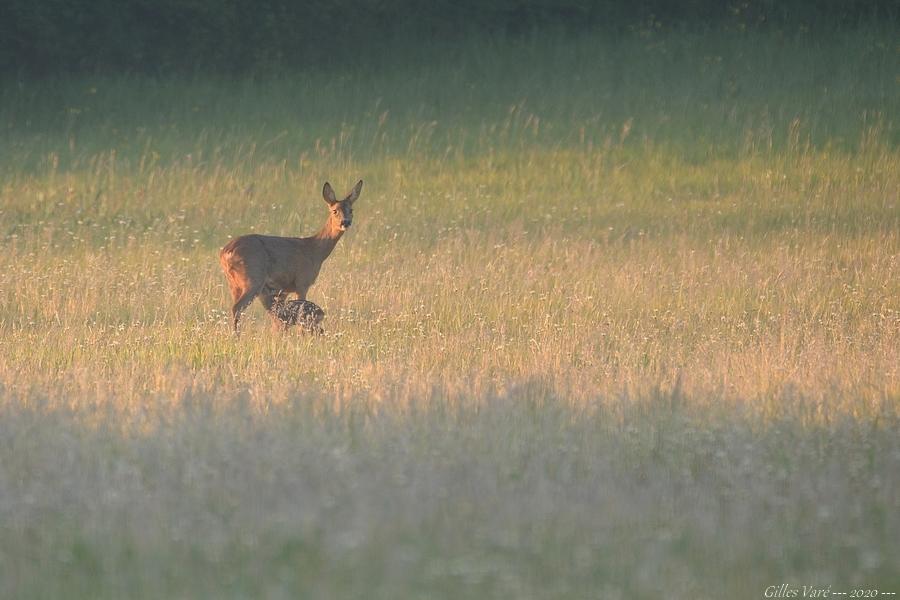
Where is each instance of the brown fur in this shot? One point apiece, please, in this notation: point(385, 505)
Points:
point(256, 265)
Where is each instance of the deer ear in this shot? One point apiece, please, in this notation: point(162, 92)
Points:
point(328, 194)
point(355, 193)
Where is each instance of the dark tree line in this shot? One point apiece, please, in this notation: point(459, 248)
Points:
point(40, 37)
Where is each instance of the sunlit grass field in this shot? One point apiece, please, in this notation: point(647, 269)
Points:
point(616, 318)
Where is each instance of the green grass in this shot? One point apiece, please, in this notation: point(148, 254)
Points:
point(617, 318)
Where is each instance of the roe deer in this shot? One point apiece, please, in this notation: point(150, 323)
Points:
point(308, 315)
point(257, 265)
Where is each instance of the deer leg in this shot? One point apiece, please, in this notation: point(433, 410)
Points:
point(241, 303)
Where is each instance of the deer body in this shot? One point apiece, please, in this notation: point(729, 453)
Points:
point(306, 314)
point(271, 267)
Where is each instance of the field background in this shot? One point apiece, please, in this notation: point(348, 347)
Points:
point(618, 317)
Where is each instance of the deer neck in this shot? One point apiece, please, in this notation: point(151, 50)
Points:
point(327, 239)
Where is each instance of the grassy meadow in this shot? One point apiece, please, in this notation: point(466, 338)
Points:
point(616, 318)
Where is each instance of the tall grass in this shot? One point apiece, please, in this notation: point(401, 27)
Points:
point(616, 318)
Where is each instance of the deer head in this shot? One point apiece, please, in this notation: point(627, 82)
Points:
point(341, 211)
